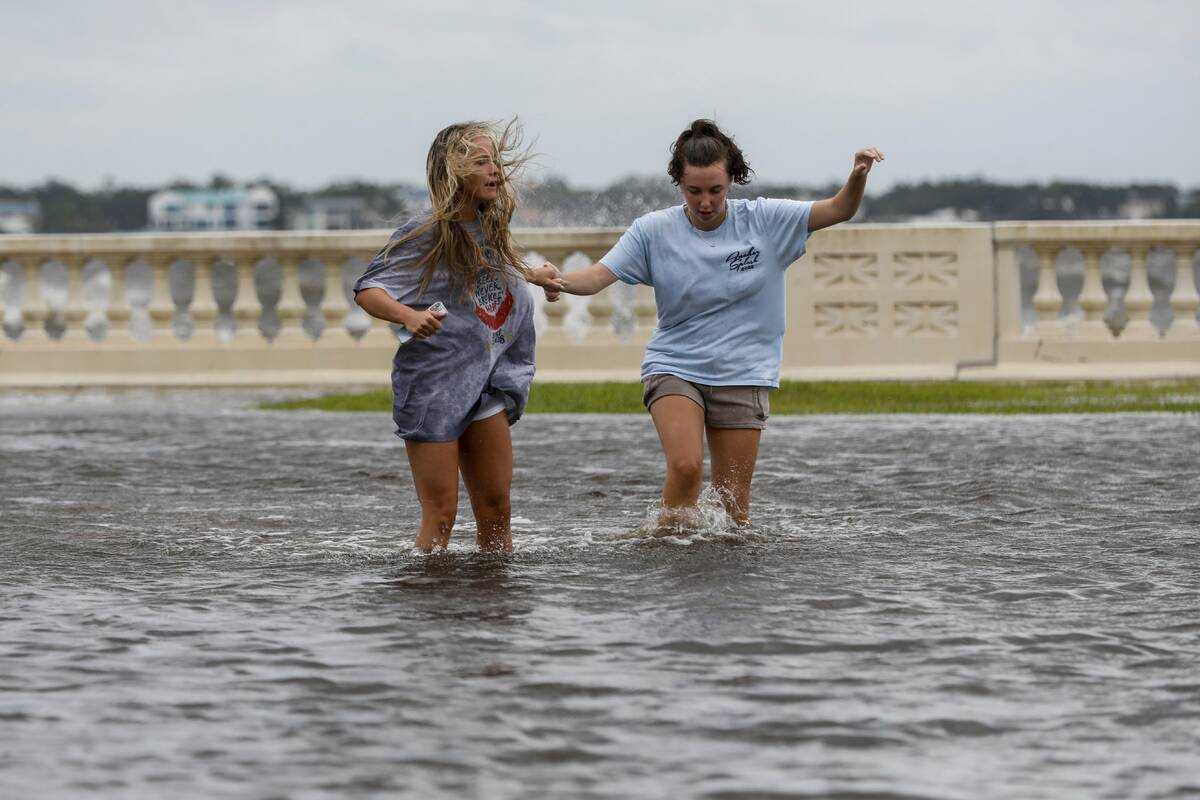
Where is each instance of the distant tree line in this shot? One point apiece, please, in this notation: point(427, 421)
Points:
point(1057, 200)
point(552, 202)
point(66, 209)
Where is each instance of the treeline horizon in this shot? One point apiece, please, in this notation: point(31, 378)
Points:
point(553, 202)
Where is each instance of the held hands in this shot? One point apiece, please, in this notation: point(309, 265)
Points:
point(864, 160)
point(423, 324)
point(549, 277)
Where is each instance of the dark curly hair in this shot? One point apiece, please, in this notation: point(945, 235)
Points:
point(703, 144)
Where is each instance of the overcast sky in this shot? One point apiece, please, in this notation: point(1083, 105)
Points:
point(309, 92)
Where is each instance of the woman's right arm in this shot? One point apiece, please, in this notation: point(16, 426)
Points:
point(381, 305)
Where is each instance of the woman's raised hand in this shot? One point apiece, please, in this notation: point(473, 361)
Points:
point(865, 159)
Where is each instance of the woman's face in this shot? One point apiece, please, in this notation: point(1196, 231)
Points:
point(483, 183)
point(704, 190)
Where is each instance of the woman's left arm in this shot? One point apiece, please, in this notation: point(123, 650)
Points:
point(845, 203)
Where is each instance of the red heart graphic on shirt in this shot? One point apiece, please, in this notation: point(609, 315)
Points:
point(493, 301)
point(494, 321)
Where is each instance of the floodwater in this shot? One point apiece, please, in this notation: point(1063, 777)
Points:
point(202, 599)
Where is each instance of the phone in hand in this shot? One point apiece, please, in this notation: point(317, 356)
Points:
point(405, 335)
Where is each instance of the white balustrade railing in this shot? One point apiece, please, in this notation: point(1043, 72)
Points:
point(1003, 300)
point(248, 308)
point(1099, 298)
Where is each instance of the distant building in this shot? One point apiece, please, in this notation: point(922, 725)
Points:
point(19, 216)
point(1142, 208)
point(334, 214)
point(250, 208)
point(414, 198)
point(946, 215)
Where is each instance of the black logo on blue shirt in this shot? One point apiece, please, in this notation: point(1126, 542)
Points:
point(743, 261)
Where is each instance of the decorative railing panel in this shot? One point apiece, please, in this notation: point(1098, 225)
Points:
point(908, 300)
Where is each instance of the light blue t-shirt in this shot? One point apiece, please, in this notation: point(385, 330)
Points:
point(720, 294)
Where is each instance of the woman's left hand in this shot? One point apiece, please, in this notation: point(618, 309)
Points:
point(549, 278)
point(865, 159)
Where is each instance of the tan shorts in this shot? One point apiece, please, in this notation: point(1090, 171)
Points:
point(724, 406)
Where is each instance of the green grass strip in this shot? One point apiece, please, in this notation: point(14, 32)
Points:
point(851, 397)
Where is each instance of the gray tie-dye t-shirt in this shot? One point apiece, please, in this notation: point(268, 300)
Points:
point(483, 353)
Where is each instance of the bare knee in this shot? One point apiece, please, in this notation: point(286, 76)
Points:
point(495, 506)
point(685, 471)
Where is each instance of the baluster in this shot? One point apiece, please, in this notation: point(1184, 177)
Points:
point(334, 305)
point(1071, 312)
point(14, 297)
point(7, 299)
point(1115, 315)
point(1139, 299)
point(75, 311)
point(1047, 301)
point(118, 299)
point(579, 320)
point(534, 260)
point(183, 326)
point(623, 322)
point(162, 307)
point(55, 300)
point(600, 312)
point(312, 275)
point(138, 299)
point(1185, 300)
point(556, 315)
point(1092, 299)
point(291, 302)
point(96, 290)
point(204, 296)
point(35, 310)
point(268, 285)
point(224, 280)
point(246, 306)
point(357, 321)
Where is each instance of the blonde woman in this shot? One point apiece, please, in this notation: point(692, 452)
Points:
point(463, 375)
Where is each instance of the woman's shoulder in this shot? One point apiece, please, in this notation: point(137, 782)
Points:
point(409, 234)
point(760, 204)
point(662, 218)
point(767, 209)
point(410, 224)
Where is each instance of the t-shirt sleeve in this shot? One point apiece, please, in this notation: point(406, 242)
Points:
point(787, 224)
point(629, 259)
point(394, 268)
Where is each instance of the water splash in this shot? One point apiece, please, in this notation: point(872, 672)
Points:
point(707, 521)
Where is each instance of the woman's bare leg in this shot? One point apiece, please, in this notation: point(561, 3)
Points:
point(680, 425)
point(485, 458)
point(435, 475)
point(734, 452)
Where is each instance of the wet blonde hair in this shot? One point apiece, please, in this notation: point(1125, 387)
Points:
point(450, 162)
